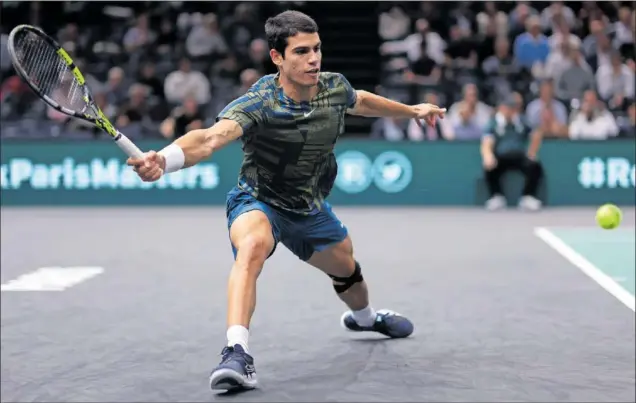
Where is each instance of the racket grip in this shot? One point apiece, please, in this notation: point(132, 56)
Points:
point(128, 146)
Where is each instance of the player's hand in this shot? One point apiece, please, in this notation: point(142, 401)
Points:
point(150, 167)
point(428, 113)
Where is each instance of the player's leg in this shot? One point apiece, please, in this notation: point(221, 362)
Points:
point(326, 245)
point(253, 237)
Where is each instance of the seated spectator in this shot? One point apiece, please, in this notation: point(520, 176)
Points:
point(149, 78)
point(546, 101)
point(601, 53)
point(441, 131)
point(167, 37)
point(183, 119)
point(624, 32)
point(501, 70)
point(136, 108)
point(559, 60)
point(518, 18)
point(258, 58)
point(411, 45)
point(390, 129)
point(554, 14)
point(627, 124)
point(393, 24)
point(466, 127)
point(424, 70)
point(562, 33)
point(139, 36)
point(532, 46)
point(593, 121)
point(481, 113)
point(491, 16)
point(615, 82)
point(550, 125)
point(116, 86)
point(596, 27)
point(575, 79)
point(505, 147)
point(185, 81)
point(241, 28)
point(205, 40)
point(461, 55)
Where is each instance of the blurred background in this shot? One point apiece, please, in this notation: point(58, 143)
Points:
point(159, 69)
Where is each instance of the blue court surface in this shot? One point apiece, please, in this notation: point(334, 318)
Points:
point(128, 305)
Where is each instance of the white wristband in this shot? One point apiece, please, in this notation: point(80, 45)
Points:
point(174, 156)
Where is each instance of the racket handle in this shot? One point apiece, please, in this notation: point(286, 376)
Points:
point(128, 146)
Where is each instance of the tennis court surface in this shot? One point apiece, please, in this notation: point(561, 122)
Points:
point(507, 307)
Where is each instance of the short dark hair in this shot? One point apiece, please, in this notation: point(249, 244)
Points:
point(287, 24)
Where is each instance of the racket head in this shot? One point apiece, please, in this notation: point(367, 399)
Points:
point(51, 73)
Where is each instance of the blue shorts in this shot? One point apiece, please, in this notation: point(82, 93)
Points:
point(302, 235)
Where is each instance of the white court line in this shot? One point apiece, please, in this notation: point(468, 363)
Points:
point(586, 267)
point(51, 279)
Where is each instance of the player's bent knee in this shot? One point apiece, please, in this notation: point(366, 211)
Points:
point(342, 284)
point(255, 248)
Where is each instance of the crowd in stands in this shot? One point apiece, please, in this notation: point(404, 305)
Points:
point(168, 68)
point(569, 65)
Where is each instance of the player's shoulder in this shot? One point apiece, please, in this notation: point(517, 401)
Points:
point(333, 80)
point(264, 87)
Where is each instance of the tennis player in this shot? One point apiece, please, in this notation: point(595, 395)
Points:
point(288, 124)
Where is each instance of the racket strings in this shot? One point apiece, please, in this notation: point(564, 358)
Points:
point(49, 72)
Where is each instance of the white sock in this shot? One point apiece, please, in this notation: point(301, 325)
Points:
point(237, 335)
point(364, 317)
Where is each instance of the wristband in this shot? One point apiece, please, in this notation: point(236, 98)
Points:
point(174, 156)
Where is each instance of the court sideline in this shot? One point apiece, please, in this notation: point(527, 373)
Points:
point(494, 321)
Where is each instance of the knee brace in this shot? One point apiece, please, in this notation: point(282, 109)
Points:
point(356, 277)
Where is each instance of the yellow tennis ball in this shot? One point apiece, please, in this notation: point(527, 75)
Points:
point(609, 216)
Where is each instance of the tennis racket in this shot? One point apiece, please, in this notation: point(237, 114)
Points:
point(50, 72)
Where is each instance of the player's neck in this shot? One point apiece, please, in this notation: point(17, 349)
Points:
point(295, 92)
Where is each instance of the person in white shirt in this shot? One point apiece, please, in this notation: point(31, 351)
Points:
point(185, 81)
point(615, 82)
point(593, 121)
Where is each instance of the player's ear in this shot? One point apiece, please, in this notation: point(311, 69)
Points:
point(277, 58)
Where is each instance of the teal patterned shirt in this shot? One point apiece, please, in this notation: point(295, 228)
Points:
point(288, 146)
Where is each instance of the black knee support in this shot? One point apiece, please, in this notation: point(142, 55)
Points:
point(347, 282)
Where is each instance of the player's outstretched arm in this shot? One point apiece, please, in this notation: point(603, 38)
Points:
point(376, 106)
point(186, 151)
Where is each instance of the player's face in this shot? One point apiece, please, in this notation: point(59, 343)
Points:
point(303, 55)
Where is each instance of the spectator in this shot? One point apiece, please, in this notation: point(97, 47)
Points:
point(627, 124)
point(461, 55)
point(423, 71)
point(240, 29)
point(501, 70)
point(139, 36)
point(411, 45)
point(592, 121)
point(576, 79)
point(185, 81)
point(562, 34)
point(624, 32)
point(148, 77)
point(136, 109)
point(167, 37)
point(183, 119)
point(116, 86)
point(480, 112)
point(615, 82)
point(205, 39)
point(505, 147)
point(559, 60)
point(554, 14)
point(551, 126)
point(441, 130)
point(536, 107)
point(491, 16)
point(601, 53)
point(258, 58)
point(597, 27)
point(532, 46)
point(394, 24)
point(466, 127)
point(519, 17)
point(390, 129)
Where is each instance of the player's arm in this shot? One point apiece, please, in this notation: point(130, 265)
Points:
point(198, 145)
point(371, 105)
